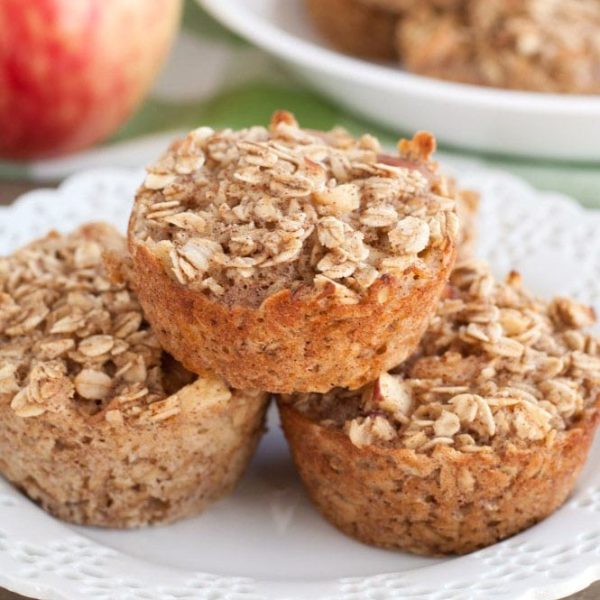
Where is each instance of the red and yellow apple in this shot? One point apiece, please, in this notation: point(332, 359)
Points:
point(71, 71)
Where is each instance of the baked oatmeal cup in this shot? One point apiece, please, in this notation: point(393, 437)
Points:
point(97, 424)
point(368, 28)
point(289, 260)
point(478, 436)
point(548, 46)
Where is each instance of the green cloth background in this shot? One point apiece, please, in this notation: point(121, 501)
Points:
point(240, 101)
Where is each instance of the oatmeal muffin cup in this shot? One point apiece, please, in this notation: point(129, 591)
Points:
point(289, 260)
point(551, 46)
point(367, 28)
point(481, 434)
point(97, 424)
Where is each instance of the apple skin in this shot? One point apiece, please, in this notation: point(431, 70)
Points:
point(72, 71)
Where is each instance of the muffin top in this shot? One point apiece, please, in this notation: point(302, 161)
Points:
point(242, 215)
point(497, 367)
point(73, 341)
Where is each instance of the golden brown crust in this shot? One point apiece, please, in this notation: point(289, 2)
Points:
point(354, 27)
point(295, 341)
point(444, 503)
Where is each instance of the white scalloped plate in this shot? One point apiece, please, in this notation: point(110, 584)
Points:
point(480, 118)
point(266, 541)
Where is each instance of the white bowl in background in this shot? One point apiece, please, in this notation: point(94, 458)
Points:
point(467, 116)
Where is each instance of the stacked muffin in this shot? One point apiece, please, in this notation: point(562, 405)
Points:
point(428, 406)
point(291, 260)
point(482, 433)
point(546, 46)
point(97, 423)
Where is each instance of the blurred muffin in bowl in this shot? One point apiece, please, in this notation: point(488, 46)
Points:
point(551, 46)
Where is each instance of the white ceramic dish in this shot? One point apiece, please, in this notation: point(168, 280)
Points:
point(266, 542)
point(478, 118)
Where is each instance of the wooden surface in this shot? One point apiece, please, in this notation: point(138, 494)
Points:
point(9, 190)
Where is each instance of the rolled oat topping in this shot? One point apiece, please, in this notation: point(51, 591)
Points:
point(73, 340)
point(497, 366)
point(283, 206)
